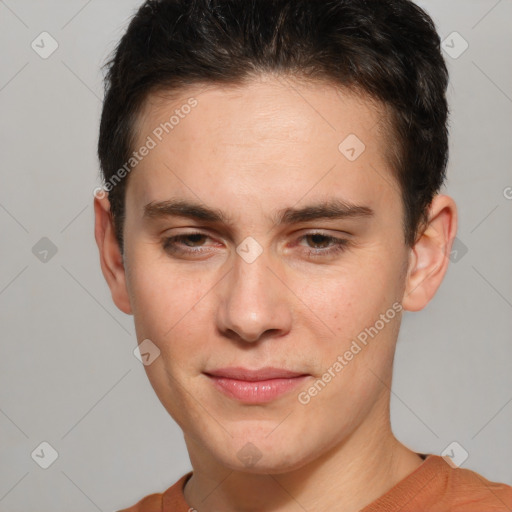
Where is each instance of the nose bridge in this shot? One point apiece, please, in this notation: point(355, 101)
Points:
point(253, 300)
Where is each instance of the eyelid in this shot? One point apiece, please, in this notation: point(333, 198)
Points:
point(335, 241)
point(325, 232)
point(192, 230)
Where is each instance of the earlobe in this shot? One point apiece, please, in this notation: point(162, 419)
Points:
point(429, 258)
point(111, 259)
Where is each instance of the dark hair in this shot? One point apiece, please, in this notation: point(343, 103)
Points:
point(387, 50)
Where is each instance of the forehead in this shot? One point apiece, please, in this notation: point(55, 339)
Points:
point(275, 108)
point(271, 133)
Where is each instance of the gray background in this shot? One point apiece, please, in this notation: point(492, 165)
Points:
point(69, 376)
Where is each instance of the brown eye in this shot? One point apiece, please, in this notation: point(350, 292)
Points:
point(324, 245)
point(185, 243)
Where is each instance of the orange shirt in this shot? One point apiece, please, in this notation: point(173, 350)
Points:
point(434, 486)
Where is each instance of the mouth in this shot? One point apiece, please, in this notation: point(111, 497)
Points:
point(255, 386)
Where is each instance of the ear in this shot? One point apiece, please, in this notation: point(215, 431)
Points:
point(111, 259)
point(429, 258)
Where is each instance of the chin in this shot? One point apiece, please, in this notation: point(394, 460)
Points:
point(264, 463)
point(254, 453)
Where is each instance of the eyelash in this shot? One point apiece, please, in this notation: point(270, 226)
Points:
point(340, 244)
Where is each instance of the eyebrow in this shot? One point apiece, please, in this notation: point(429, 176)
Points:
point(330, 209)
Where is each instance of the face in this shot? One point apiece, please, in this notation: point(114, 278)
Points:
point(286, 245)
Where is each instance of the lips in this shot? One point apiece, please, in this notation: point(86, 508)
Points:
point(254, 375)
point(255, 386)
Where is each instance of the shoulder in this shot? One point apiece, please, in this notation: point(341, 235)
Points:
point(470, 489)
point(151, 503)
point(438, 486)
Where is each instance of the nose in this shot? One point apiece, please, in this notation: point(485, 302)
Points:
point(254, 302)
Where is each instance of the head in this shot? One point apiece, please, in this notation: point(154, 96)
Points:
point(273, 171)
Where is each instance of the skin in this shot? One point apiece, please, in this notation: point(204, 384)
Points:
point(250, 151)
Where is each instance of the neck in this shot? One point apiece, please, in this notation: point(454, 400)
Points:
point(346, 477)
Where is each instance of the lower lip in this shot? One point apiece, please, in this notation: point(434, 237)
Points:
point(261, 391)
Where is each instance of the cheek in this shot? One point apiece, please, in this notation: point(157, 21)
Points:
point(352, 295)
point(165, 299)
point(170, 313)
point(347, 321)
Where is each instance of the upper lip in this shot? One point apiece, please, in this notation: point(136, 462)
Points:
point(266, 373)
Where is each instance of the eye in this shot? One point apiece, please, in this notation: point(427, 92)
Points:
point(328, 245)
point(194, 243)
point(186, 243)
